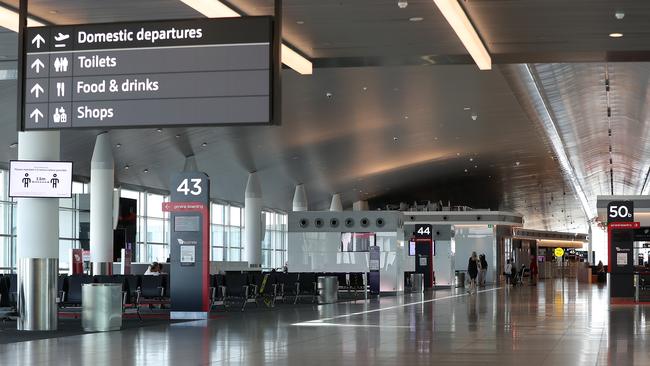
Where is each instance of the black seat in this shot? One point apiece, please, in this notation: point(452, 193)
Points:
point(151, 287)
point(289, 284)
point(133, 282)
point(307, 286)
point(73, 292)
point(61, 286)
point(4, 292)
point(236, 288)
point(357, 283)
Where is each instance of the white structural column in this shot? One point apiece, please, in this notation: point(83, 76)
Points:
point(253, 221)
point(102, 176)
point(336, 204)
point(37, 250)
point(360, 206)
point(300, 198)
point(37, 226)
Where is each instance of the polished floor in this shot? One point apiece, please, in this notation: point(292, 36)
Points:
point(555, 323)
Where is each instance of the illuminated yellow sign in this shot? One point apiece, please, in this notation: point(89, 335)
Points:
point(559, 252)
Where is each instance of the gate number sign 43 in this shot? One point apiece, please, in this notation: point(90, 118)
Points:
point(190, 186)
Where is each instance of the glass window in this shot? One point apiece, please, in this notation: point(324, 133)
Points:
point(66, 223)
point(235, 216)
point(218, 215)
point(156, 231)
point(154, 205)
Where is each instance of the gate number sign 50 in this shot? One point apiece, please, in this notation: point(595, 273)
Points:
point(619, 211)
point(190, 186)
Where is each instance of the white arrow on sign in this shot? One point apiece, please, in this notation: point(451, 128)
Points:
point(37, 64)
point(36, 89)
point(38, 40)
point(36, 114)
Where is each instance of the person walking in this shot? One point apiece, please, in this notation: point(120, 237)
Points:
point(507, 272)
point(533, 270)
point(483, 270)
point(472, 270)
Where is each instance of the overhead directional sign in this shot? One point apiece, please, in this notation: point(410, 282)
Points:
point(150, 74)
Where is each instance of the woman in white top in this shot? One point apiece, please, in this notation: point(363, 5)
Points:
point(508, 272)
point(155, 269)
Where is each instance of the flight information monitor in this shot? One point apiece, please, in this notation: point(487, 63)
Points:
point(150, 74)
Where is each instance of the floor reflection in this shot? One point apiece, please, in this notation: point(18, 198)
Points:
point(555, 323)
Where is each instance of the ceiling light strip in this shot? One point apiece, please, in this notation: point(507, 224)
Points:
point(550, 127)
point(218, 9)
point(9, 19)
point(455, 15)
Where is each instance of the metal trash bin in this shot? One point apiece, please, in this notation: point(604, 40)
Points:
point(460, 279)
point(101, 307)
point(417, 282)
point(328, 289)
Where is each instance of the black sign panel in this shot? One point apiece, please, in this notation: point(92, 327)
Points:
point(169, 73)
point(423, 231)
point(190, 241)
point(620, 211)
point(622, 250)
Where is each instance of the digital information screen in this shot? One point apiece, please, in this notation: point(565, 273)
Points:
point(187, 223)
point(169, 73)
point(42, 179)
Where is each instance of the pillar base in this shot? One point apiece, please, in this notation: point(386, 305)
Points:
point(37, 286)
point(102, 268)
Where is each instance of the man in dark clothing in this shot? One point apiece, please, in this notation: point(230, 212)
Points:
point(472, 270)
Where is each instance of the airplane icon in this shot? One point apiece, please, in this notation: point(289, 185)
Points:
point(61, 37)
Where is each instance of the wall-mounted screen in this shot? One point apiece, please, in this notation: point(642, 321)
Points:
point(357, 242)
point(412, 248)
point(41, 179)
point(187, 223)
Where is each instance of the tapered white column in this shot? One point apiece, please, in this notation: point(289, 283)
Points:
point(300, 198)
point(37, 240)
point(253, 222)
point(190, 164)
point(336, 204)
point(360, 206)
point(102, 176)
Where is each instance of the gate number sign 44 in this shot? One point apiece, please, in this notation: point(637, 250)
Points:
point(190, 187)
point(424, 230)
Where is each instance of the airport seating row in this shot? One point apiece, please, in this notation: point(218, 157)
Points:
point(233, 287)
point(246, 287)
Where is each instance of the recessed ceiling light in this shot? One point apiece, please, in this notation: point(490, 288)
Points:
point(471, 159)
point(204, 144)
point(329, 95)
point(13, 145)
point(158, 129)
point(416, 19)
point(118, 145)
point(365, 88)
point(146, 171)
point(395, 138)
point(619, 15)
point(126, 167)
point(406, 117)
point(435, 138)
point(53, 11)
point(616, 35)
point(475, 166)
point(178, 136)
point(517, 163)
point(466, 108)
point(457, 154)
point(466, 170)
point(301, 22)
